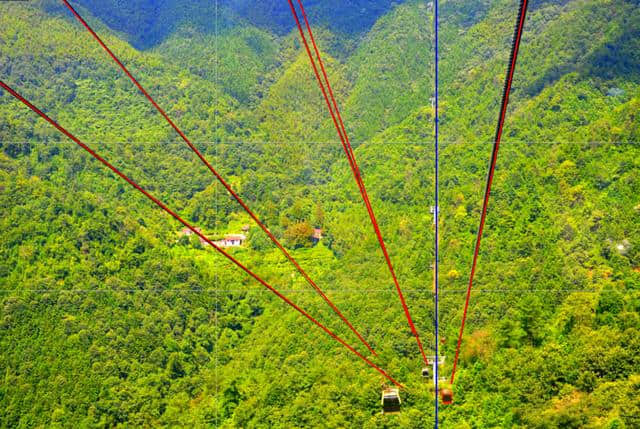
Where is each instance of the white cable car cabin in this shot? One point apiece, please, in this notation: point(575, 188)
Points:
point(391, 401)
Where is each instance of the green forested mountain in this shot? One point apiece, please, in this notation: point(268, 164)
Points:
point(148, 22)
point(109, 317)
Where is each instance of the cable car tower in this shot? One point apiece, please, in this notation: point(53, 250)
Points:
point(446, 393)
point(432, 210)
point(431, 372)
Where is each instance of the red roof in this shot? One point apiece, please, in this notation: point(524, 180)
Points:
point(187, 231)
point(240, 237)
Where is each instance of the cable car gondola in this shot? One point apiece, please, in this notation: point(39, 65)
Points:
point(425, 372)
point(447, 396)
point(390, 401)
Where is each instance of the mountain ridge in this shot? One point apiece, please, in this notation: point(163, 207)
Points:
point(111, 318)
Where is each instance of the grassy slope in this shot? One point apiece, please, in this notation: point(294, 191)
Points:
point(235, 369)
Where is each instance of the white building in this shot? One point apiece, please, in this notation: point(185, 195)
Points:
point(232, 240)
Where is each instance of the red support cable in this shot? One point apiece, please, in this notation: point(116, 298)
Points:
point(492, 166)
point(195, 231)
point(219, 177)
point(340, 128)
point(326, 79)
point(324, 94)
point(342, 132)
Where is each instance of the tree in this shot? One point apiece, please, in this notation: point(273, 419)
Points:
point(510, 331)
point(299, 235)
point(318, 216)
point(258, 240)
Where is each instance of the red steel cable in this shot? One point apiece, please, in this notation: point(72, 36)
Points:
point(196, 231)
point(326, 98)
point(522, 12)
point(326, 79)
point(342, 132)
point(220, 179)
point(340, 128)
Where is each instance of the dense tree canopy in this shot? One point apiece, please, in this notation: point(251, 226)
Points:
point(110, 316)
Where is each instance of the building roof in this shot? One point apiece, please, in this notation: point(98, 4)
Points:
point(240, 237)
point(187, 231)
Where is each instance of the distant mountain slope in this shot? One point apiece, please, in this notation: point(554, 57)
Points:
point(392, 70)
point(111, 317)
point(348, 18)
point(239, 60)
point(149, 22)
point(295, 110)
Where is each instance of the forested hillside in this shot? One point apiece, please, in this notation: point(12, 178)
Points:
point(148, 22)
point(111, 317)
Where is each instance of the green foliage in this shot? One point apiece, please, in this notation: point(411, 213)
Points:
point(299, 235)
point(391, 70)
point(109, 317)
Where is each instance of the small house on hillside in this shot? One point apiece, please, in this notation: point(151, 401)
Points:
point(235, 240)
point(188, 233)
point(232, 240)
point(317, 235)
